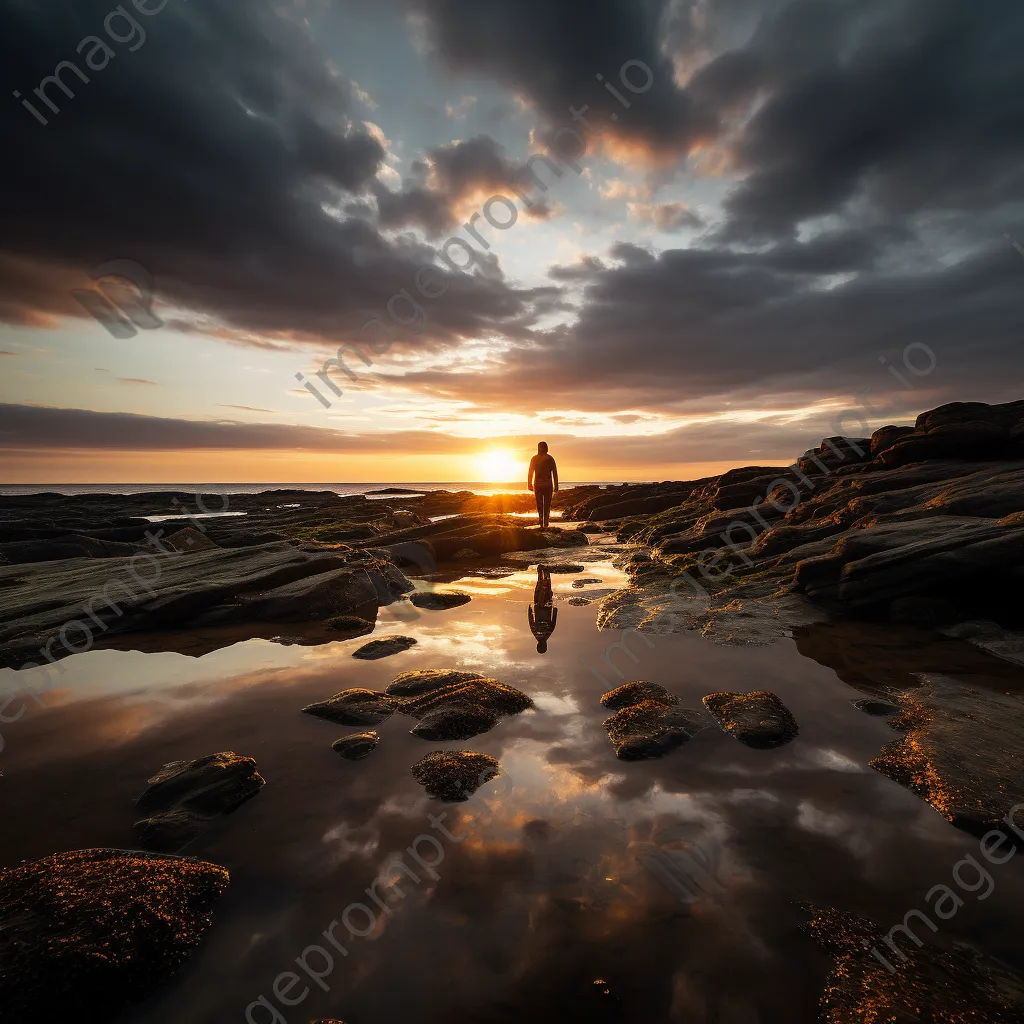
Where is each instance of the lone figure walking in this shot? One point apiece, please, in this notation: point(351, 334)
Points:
point(543, 481)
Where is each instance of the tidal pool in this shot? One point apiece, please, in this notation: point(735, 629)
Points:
point(576, 886)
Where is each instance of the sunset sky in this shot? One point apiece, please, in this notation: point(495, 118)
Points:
point(796, 227)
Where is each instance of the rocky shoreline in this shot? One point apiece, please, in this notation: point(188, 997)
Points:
point(914, 528)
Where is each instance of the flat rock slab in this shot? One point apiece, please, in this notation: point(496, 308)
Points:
point(454, 775)
point(960, 752)
point(187, 795)
point(439, 600)
point(384, 647)
point(932, 984)
point(580, 584)
point(757, 719)
point(356, 706)
point(87, 934)
point(650, 729)
point(357, 746)
point(564, 568)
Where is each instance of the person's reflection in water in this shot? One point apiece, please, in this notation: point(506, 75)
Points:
point(542, 613)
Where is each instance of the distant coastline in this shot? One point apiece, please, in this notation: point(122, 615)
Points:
point(477, 487)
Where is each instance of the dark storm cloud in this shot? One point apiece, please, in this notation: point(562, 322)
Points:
point(451, 175)
point(551, 51)
point(211, 156)
point(905, 105)
point(737, 328)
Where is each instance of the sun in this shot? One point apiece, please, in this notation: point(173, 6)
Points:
point(499, 467)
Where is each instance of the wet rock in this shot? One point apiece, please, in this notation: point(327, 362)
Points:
point(580, 584)
point(758, 719)
point(188, 795)
point(878, 708)
point(325, 595)
point(356, 706)
point(437, 600)
point(956, 984)
point(960, 751)
point(350, 625)
point(486, 534)
point(580, 602)
point(564, 568)
point(628, 694)
point(591, 528)
point(455, 723)
point(454, 775)
point(423, 680)
point(453, 705)
point(356, 746)
point(216, 784)
point(384, 647)
point(88, 934)
point(650, 729)
point(438, 688)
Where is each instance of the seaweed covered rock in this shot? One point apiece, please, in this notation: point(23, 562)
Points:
point(357, 746)
point(423, 680)
point(186, 796)
point(454, 723)
point(453, 705)
point(454, 775)
point(633, 693)
point(85, 935)
point(356, 706)
point(758, 719)
point(384, 647)
point(440, 600)
point(926, 983)
point(651, 728)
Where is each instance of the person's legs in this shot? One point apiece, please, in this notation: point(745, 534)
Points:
point(546, 500)
point(539, 495)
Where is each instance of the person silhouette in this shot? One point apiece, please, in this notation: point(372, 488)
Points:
point(542, 479)
point(542, 614)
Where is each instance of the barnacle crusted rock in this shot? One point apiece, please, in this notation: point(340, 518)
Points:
point(84, 935)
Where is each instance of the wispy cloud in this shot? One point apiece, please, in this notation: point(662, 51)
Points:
point(136, 380)
point(247, 408)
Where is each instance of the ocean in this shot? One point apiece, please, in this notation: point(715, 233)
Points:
point(477, 487)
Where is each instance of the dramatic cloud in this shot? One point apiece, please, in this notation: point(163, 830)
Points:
point(453, 181)
point(215, 158)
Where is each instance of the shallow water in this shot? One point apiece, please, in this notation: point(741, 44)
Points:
point(577, 886)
